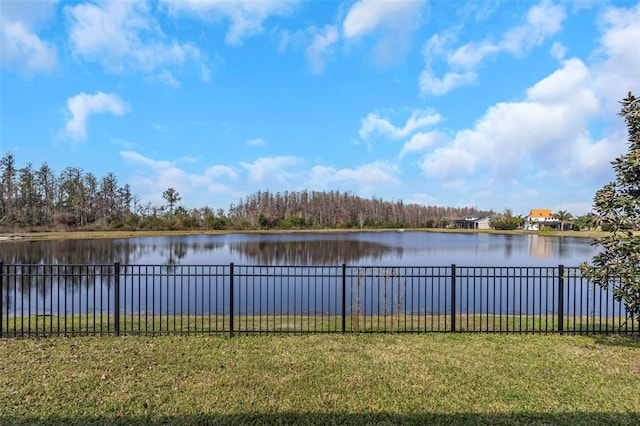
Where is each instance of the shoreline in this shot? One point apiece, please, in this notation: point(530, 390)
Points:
point(87, 235)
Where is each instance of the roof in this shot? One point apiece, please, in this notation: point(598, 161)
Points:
point(472, 219)
point(541, 213)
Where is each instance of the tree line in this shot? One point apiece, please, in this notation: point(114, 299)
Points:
point(337, 209)
point(40, 199)
point(35, 198)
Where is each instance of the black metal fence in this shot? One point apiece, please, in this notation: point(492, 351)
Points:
point(119, 299)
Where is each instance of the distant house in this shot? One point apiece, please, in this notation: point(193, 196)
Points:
point(473, 223)
point(539, 218)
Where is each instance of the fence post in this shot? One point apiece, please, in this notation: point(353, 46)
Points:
point(344, 298)
point(453, 298)
point(561, 299)
point(116, 296)
point(231, 299)
point(1, 294)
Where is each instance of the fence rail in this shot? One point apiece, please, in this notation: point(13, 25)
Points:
point(114, 299)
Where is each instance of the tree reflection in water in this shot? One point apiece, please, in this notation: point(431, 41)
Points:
point(311, 253)
point(98, 256)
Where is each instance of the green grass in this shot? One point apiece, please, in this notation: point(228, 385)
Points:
point(190, 324)
point(321, 379)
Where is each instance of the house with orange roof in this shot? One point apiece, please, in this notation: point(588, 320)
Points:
point(538, 218)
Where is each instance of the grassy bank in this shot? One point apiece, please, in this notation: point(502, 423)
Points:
point(86, 235)
point(83, 235)
point(158, 324)
point(320, 379)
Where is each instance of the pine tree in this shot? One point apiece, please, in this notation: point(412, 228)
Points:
point(172, 197)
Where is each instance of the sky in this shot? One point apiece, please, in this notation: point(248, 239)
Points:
point(485, 104)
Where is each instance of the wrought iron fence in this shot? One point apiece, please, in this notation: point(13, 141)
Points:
point(116, 299)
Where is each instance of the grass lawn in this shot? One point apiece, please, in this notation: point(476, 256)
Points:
point(321, 379)
point(141, 324)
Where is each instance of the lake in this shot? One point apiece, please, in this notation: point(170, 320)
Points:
point(283, 274)
point(360, 248)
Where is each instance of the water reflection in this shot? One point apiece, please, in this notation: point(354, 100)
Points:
point(317, 252)
point(91, 252)
point(540, 247)
point(47, 289)
point(367, 248)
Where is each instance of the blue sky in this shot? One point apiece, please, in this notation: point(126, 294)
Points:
point(487, 104)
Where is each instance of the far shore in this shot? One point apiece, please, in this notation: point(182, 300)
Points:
point(84, 235)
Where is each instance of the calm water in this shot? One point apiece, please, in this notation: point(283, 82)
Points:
point(365, 248)
point(392, 255)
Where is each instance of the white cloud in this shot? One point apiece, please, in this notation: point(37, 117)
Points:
point(471, 54)
point(123, 36)
point(257, 142)
point(547, 130)
point(83, 105)
point(421, 141)
point(366, 16)
point(205, 73)
point(542, 21)
point(316, 43)
point(576, 208)
point(159, 176)
point(215, 177)
point(449, 162)
point(368, 178)
point(321, 177)
point(592, 156)
point(392, 21)
point(272, 168)
point(135, 158)
point(21, 49)
point(563, 84)
point(429, 84)
point(438, 45)
point(246, 16)
point(422, 198)
point(221, 171)
point(165, 77)
point(227, 184)
point(320, 48)
point(218, 189)
point(374, 125)
point(558, 51)
point(152, 177)
point(617, 66)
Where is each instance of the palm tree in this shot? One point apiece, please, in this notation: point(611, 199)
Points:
point(563, 216)
point(585, 222)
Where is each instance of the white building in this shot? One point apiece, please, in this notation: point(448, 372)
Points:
point(473, 223)
point(539, 218)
